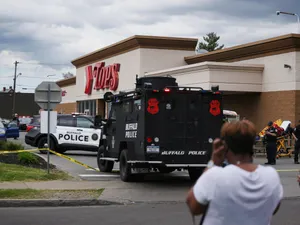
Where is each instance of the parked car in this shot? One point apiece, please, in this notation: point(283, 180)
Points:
point(10, 130)
point(2, 132)
point(35, 123)
point(24, 122)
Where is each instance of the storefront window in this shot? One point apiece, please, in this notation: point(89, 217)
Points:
point(88, 107)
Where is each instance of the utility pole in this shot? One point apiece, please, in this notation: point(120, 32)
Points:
point(14, 90)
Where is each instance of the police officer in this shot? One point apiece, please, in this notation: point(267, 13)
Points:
point(16, 118)
point(296, 135)
point(271, 139)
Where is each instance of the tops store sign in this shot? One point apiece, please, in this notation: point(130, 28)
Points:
point(101, 77)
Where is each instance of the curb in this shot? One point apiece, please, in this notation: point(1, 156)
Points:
point(54, 202)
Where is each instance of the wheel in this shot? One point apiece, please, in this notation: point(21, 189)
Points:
point(104, 165)
point(43, 141)
point(166, 170)
point(125, 168)
point(195, 173)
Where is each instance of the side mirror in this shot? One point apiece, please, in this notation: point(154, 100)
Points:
point(98, 121)
point(92, 126)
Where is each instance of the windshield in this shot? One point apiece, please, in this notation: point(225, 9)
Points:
point(1, 125)
point(25, 120)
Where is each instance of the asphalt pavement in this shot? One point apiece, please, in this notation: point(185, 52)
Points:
point(168, 187)
point(160, 188)
point(146, 214)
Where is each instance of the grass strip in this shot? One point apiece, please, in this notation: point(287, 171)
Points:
point(12, 172)
point(49, 194)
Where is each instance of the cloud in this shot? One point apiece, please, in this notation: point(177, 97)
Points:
point(55, 32)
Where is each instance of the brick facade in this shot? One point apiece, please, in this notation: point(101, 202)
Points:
point(100, 104)
point(263, 107)
point(66, 108)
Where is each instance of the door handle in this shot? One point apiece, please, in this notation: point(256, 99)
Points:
point(79, 130)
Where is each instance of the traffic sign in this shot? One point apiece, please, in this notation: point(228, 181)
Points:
point(47, 93)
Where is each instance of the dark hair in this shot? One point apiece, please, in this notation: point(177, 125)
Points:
point(239, 136)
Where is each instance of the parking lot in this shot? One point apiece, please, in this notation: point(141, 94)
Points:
point(168, 187)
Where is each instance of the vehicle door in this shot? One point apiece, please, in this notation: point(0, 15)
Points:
point(90, 135)
point(66, 130)
point(111, 129)
point(12, 130)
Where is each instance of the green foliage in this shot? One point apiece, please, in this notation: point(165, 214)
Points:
point(27, 158)
point(10, 146)
point(211, 44)
point(48, 194)
point(12, 172)
point(2, 145)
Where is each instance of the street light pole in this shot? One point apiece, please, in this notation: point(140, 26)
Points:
point(291, 14)
point(14, 90)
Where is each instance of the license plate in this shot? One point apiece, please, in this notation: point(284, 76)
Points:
point(152, 149)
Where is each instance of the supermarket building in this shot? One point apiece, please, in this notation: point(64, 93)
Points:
point(260, 80)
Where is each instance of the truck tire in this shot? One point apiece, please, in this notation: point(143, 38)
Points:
point(104, 165)
point(195, 173)
point(125, 168)
point(43, 141)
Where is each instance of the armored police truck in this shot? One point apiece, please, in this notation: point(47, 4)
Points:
point(160, 127)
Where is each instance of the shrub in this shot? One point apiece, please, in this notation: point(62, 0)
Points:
point(11, 146)
point(2, 145)
point(27, 158)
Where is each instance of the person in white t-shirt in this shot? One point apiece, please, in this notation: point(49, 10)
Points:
point(241, 193)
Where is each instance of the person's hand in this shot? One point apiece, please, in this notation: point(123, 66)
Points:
point(218, 153)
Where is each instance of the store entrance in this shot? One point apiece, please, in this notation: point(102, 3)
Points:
point(91, 107)
point(87, 107)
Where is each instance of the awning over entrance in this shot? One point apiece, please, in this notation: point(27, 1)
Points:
point(231, 77)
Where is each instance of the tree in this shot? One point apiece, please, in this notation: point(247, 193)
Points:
point(211, 44)
point(67, 75)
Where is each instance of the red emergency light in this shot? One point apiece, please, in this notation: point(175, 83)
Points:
point(149, 139)
point(167, 90)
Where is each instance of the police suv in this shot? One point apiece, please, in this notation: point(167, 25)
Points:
point(73, 132)
point(160, 127)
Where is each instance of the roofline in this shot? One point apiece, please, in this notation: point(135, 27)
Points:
point(271, 46)
point(66, 82)
point(207, 65)
point(135, 42)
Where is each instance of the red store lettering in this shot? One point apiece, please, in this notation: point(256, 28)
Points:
point(105, 77)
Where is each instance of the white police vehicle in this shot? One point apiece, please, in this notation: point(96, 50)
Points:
point(73, 132)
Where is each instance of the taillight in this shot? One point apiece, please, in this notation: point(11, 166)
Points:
point(149, 140)
point(167, 90)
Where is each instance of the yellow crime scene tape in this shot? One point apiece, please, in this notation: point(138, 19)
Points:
point(89, 167)
point(17, 151)
point(56, 153)
point(72, 160)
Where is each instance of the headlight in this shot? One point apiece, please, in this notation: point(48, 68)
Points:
point(2, 131)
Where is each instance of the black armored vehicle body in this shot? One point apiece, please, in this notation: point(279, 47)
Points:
point(160, 127)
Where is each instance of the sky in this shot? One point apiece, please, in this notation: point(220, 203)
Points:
point(45, 36)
